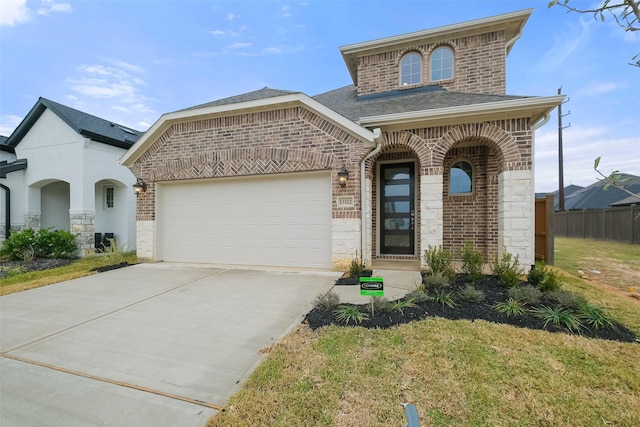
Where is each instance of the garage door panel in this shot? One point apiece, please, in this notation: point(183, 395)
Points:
point(278, 220)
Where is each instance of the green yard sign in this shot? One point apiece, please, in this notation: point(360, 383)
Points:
point(371, 286)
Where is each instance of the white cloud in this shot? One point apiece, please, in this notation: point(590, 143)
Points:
point(231, 16)
point(13, 12)
point(240, 45)
point(566, 43)
point(599, 88)
point(49, 6)
point(119, 80)
point(581, 146)
point(8, 123)
point(285, 12)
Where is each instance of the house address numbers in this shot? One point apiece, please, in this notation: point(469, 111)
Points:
point(345, 201)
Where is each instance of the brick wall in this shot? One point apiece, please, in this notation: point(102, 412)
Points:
point(290, 139)
point(479, 66)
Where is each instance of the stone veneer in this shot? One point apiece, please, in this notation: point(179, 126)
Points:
point(83, 225)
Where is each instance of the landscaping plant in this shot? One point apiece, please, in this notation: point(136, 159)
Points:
point(510, 307)
point(439, 261)
point(472, 262)
point(560, 317)
point(350, 313)
point(28, 244)
point(507, 270)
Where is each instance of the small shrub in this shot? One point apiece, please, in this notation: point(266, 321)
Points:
point(400, 305)
point(472, 262)
point(435, 281)
point(381, 304)
point(566, 299)
point(526, 294)
point(444, 298)
point(536, 275)
point(356, 268)
point(510, 307)
point(560, 317)
point(470, 293)
point(350, 313)
point(419, 295)
point(439, 261)
point(552, 281)
point(327, 301)
point(595, 316)
point(507, 269)
point(20, 246)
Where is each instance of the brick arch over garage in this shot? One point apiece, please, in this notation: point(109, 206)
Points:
point(505, 146)
point(243, 161)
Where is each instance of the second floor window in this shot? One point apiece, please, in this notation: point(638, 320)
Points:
point(411, 69)
point(441, 64)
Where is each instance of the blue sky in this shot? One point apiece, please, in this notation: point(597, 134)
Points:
point(130, 61)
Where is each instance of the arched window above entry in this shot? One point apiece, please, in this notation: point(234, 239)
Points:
point(442, 64)
point(411, 69)
point(461, 178)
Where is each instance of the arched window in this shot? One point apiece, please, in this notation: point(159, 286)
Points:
point(461, 178)
point(411, 69)
point(441, 64)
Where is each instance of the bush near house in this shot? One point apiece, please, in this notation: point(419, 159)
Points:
point(28, 244)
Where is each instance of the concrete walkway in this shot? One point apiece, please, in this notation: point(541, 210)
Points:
point(152, 344)
point(396, 285)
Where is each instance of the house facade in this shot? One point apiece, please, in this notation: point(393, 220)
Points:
point(60, 169)
point(433, 151)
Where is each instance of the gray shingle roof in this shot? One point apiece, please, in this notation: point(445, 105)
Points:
point(85, 124)
point(595, 197)
point(346, 102)
point(263, 93)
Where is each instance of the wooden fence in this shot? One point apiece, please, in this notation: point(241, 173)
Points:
point(621, 224)
point(544, 229)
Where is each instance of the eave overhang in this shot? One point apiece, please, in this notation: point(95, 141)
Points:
point(285, 101)
point(535, 108)
point(512, 23)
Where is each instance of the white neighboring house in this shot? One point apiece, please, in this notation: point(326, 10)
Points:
point(59, 169)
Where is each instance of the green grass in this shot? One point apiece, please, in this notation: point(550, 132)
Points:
point(78, 268)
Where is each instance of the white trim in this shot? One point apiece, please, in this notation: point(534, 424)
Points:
point(166, 120)
point(534, 107)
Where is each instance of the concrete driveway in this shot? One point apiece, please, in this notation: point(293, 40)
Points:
point(153, 344)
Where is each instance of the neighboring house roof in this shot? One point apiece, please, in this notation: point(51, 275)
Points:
point(512, 23)
point(631, 200)
point(93, 127)
point(259, 100)
point(4, 146)
point(595, 197)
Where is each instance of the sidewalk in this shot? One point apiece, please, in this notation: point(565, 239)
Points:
point(396, 285)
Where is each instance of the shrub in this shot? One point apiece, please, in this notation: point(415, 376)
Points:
point(536, 275)
point(510, 307)
point(560, 317)
point(470, 293)
point(400, 305)
point(507, 270)
point(356, 268)
point(55, 244)
point(526, 294)
point(444, 298)
point(381, 304)
point(20, 246)
point(472, 262)
point(595, 316)
point(439, 261)
point(435, 281)
point(27, 244)
point(552, 281)
point(566, 299)
point(350, 313)
point(419, 295)
point(326, 301)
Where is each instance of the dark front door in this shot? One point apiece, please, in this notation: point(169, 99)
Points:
point(397, 210)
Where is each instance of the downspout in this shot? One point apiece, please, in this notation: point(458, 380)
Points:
point(377, 138)
point(7, 210)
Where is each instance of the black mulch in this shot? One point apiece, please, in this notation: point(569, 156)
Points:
point(465, 310)
point(37, 264)
point(111, 267)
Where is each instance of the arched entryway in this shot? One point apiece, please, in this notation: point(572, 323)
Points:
point(54, 205)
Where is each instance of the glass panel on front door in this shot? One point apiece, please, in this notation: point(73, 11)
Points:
point(397, 200)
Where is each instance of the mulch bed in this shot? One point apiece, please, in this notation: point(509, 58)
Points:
point(37, 264)
point(465, 310)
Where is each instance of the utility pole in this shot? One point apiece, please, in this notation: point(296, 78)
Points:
point(560, 156)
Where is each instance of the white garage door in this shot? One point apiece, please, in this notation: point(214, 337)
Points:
point(272, 220)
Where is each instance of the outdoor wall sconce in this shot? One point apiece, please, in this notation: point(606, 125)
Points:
point(343, 176)
point(139, 187)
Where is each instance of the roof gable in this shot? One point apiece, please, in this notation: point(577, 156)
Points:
point(87, 125)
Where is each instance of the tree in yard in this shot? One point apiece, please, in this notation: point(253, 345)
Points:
point(626, 13)
point(615, 178)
